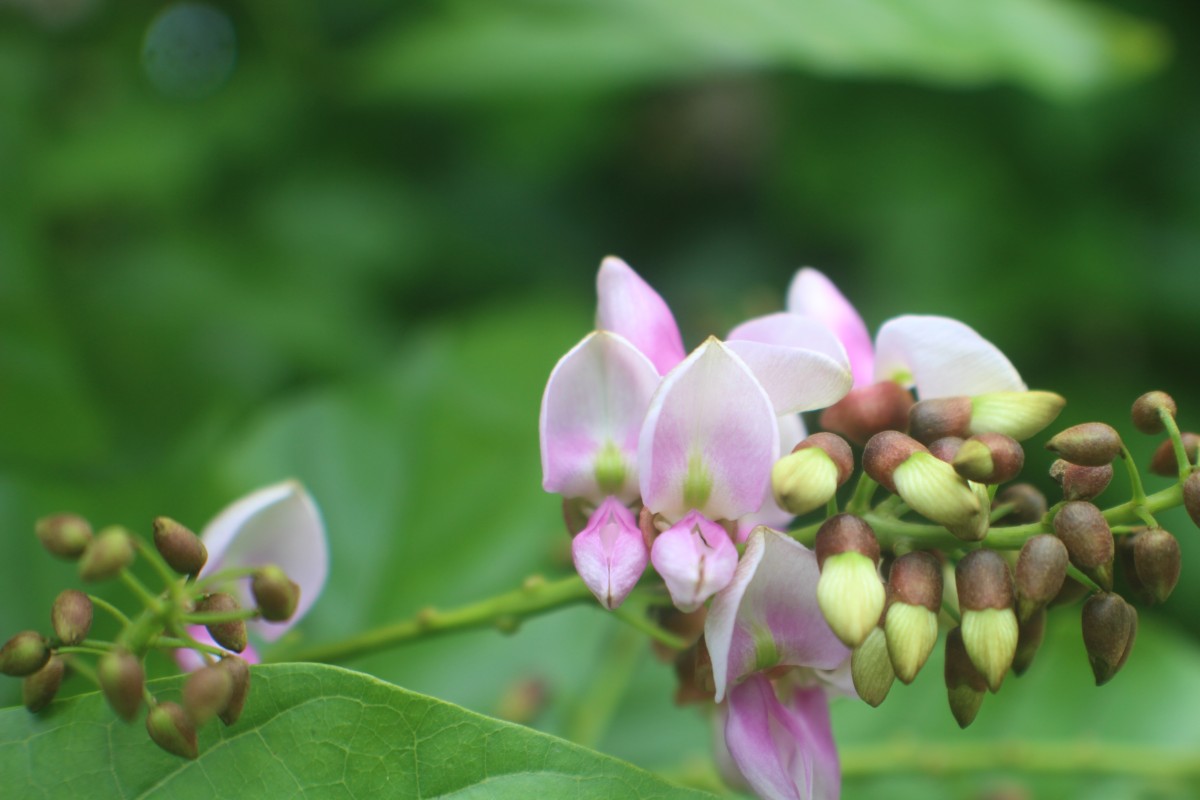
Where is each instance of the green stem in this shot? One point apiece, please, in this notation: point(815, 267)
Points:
point(598, 704)
point(150, 601)
point(1181, 457)
point(1078, 575)
point(84, 648)
point(532, 599)
point(83, 668)
point(151, 554)
point(224, 576)
point(1135, 477)
point(211, 617)
point(864, 490)
point(1001, 511)
point(636, 619)
point(111, 609)
point(176, 643)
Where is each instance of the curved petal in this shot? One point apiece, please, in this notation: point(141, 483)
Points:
point(942, 357)
point(769, 612)
point(279, 525)
point(798, 360)
point(791, 433)
point(626, 305)
point(814, 295)
point(696, 559)
point(709, 439)
point(610, 553)
point(592, 412)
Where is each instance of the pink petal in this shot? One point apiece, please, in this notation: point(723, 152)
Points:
point(813, 295)
point(709, 440)
point(942, 357)
point(696, 558)
point(592, 410)
point(279, 525)
point(628, 306)
point(610, 553)
point(190, 660)
point(798, 360)
point(773, 593)
point(791, 432)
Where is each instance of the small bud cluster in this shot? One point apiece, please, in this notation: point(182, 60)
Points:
point(178, 556)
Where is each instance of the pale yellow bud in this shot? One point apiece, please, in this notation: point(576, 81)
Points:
point(933, 489)
point(804, 480)
point(911, 631)
point(851, 596)
point(990, 636)
point(871, 668)
point(1016, 414)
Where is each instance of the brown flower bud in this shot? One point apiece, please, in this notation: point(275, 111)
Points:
point(871, 669)
point(965, 685)
point(809, 476)
point(989, 458)
point(230, 635)
point(169, 727)
point(930, 420)
point(1109, 628)
point(1041, 569)
point(849, 591)
point(989, 624)
point(1164, 463)
point(121, 680)
point(836, 448)
point(1080, 483)
point(276, 595)
point(206, 692)
point(885, 452)
point(110, 552)
point(1191, 496)
point(1156, 564)
point(914, 592)
point(946, 448)
point(24, 654)
point(1091, 444)
point(180, 548)
point(38, 689)
point(1028, 502)
point(1089, 540)
point(71, 616)
point(64, 535)
point(1148, 407)
point(1029, 639)
point(1072, 592)
point(867, 410)
point(239, 673)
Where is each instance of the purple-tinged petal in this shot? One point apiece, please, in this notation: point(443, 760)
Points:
point(279, 525)
point(813, 295)
point(709, 440)
point(942, 357)
point(190, 660)
point(768, 614)
point(628, 306)
point(610, 553)
point(785, 751)
point(696, 558)
point(592, 413)
point(791, 433)
point(798, 360)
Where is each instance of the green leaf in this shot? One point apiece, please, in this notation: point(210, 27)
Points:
point(313, 730)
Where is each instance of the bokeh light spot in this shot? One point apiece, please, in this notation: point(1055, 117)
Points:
point(189, 50)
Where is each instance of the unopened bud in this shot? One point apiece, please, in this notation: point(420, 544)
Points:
point(1148, 408)
point(275, 593)
point(1191, 496)
point(180, 548)
point(24, 654)
point(990, 458)
point(867, 410)
point(1027, 501)
point(871, 668)
point(933, 489)
point(1081, 483)
point(64, 535)
point(1091, 444)
point(989, 625)
point(946, 448)
point(239, 674)
point(965, 685)
point(38, 689)
point(809, 476)
point(914, 591)
point(1041, 570)
point(169, 727)
point(230, 635)
point(1089, 540)
point(849, 591)
point(1156, 564)
point(885, 452)
point(110, 552)
point(122, 680)
point(1164, 463)
point(1029, 638)
point(1109, 628)
point(1016, 414)
point(206, 692)
point(71, 616)
point(930, 420)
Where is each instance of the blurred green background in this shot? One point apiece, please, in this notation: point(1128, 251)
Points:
point(346, 242)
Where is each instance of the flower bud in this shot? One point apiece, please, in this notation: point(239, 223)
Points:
point(914, 592)
point(933, 489)
point(169, 727)
point(1191, 496)
point(965, 685)
point(71, 616)
point(1028, 502)
point(1080, 483)
point(1164, 463)
point(1016, 414)
point(180, 548)
point(38, 689)
point(867, 410)
point(1029, 639)
point(871, 668)
point(275, 593)
point(1109, 628)
point(1091, 444)
point(989, 625)
point(809, 476)
point(1041, 569)
point(946, 448)
point(230, 635)
point(24, 654)
point(849, 591)
point(1156, 563)
point(206, 692)
point(122, 680)
point(239, 674)
point(109, 553)
point(989, 458)
point(1089, 540)
point(930, 420)
point(1147, 409)
point(885, 452)
point(64, 535)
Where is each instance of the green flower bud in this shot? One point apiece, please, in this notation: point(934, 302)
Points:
point(871, 668)
point(1092, 444)
point(1109, 628)
point(867, 410)
point(1029, 639)
point(169, 727)
point(180, 548)
point(122, 680)
point(1156, 564)
point(1081, 483)
point(989, 458)
point(1041, 570)
point(1029, 504)
point(1016, 414)
point(71, 616)
point(965, 686)
point(809, 476)
point(989, 625)
point(849, 591)
point(239, 673)
point(1164, 463)
point(933, 489)
point(38, 689)
point(64, 535)
point(914, 591)
point(940, 417)
point(230, 635)
point(276, 594)
point(1146, 410)
point(946, 448)
point(206, 692)
point(1089, 540)
point(110, 552)
point(1191, 496)
point(885, 452)
point(24, 654)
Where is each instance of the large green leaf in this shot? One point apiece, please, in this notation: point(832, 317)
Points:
point(315, 731)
